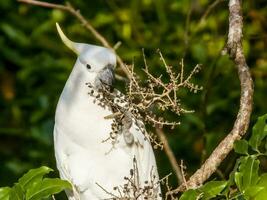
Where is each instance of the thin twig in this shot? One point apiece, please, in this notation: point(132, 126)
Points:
point(235, 50)
point(106, 191)
point(183, 168)
point(44, 4)
point(170, 155)
point(209, 9)
point(76, 13)
point(187, 25)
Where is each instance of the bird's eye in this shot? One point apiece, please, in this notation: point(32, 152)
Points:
point(88, 66)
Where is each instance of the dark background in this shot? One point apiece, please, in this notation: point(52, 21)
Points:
point(34, 65)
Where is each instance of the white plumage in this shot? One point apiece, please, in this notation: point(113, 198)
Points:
point(80, 128)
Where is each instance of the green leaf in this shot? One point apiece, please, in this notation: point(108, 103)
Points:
point(238, 180)
point(46, 188)
point(212, 189)
point(247, 174)
point(4, 193)
point(189, 195)
point(231, 180)
point(262, 195)
point(15, 34)
point(259, 132)
point(16, 193)
point(241, 147)
point(263, 180)
point(251, 172)
point(252, 191)
point(33, 176)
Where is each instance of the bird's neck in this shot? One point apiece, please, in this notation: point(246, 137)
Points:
point(75, 92)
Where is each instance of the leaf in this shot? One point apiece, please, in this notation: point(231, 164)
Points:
point(241, 147)
point(33, 176)
point(251, 172)
point(259, 132)
point(231, 180)
point(16, 193)
point(35, 187)
point(247, 174)
point(189, 195)
point(212, 189)
point(4, 193)
point(238, 180)
point(251, 192)
point(263, 180)
point(46, 188)
point(15, 34)
point(262, 195)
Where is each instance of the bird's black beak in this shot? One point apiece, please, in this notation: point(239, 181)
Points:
point(105, 77)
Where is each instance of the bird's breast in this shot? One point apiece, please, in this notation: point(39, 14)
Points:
point(83, 120)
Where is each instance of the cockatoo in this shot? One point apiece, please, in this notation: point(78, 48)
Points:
point(92, 166)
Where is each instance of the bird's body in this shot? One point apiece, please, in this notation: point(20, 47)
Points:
point(92, 165)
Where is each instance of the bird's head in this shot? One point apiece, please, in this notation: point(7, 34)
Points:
point(95, 63)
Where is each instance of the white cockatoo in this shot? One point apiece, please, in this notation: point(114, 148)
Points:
point(92, 166)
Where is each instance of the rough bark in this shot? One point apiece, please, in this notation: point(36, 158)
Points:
point(235, 50)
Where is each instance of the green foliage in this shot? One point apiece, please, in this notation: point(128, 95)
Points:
point(33, 186)
point(262, 194)
point(189, 195)
point(259, 132)
point(241, 147)
point(212, 189)
point(208, 191)
point(4, 193)
point(246, 180)
point(247, 173)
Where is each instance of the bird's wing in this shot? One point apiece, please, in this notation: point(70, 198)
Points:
point(134, 131)
point(61, 159)
point(145, 159)
point(136, 137)
point(84, 167)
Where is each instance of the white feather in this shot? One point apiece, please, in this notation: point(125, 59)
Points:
point(80, 128)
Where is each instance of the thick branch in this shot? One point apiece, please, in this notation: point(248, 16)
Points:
point(76, 13)
point(170, 155)
point(235, 50)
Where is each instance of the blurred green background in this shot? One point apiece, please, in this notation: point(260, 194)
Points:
point(34, 65)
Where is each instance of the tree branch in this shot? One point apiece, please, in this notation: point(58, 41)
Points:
point(235, 50)
point(209, 9)
point(170, 155)
point(76, 13)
